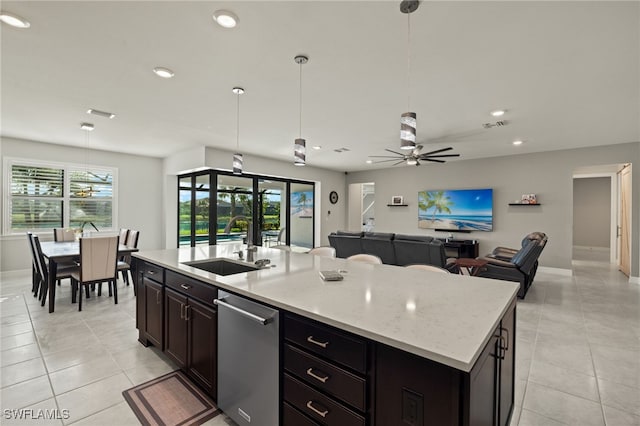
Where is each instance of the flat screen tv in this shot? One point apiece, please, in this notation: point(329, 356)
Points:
point(456, 210)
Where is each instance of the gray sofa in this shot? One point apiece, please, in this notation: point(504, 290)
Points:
point(393, 249)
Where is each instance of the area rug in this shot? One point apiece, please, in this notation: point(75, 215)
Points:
point(170, 400)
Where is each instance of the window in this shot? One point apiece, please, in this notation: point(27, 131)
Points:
point(49, 195)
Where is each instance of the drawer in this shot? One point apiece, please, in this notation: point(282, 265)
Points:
point(152, 271)
point(326, 377)
point(327, 342)
point(318, 406)
point(203, 292)
point(293, 417)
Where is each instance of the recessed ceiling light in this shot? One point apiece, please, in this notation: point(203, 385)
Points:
point(517, 142)
point(369, 161)
point(498, 112)
point(163, 72)
point(86, 126)
point(100, 113)
point(225, 19)
point(317, 147)
point(14, 20)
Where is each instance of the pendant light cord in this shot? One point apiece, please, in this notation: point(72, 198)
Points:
point(300, 101)
point(408, 61)
point(238, 123)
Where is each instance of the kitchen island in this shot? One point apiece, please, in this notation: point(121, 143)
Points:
point(406, 345)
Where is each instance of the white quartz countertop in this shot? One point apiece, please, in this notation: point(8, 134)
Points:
point(444, 318)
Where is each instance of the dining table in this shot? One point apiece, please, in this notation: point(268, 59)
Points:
point(65, 251)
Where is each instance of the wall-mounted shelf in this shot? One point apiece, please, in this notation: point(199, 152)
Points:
point(397, 205)
point(522, 204)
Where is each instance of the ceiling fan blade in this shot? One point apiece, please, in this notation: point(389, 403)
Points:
point(435, 161)
point(423, 156)
point(437, 151)
point(386, 161)
point(395, 152)
point(399, 162)
point(383, 156)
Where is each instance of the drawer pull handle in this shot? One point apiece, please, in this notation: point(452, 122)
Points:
point(151, 272)
point(315, 376)
point(185, 286)
point(182, 311)
point(324, 345)
point(310, 406)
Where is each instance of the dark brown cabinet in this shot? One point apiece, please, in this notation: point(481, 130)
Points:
point(326, 375)
point(191, 338)
point(149, 280)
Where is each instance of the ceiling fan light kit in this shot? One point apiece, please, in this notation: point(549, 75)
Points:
point(408, 123)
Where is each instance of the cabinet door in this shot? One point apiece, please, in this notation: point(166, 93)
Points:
point(153, 301)
point(203, 344)
point(483, 382)
point(175, 339)
point(507, 365)
point(137, 282)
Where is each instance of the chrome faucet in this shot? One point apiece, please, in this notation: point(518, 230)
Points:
point(250, 247)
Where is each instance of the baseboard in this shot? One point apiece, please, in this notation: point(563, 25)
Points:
point(556, 271)
point(634, 280)
point(600, 249)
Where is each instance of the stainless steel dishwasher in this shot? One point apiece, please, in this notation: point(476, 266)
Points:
point(248, 360)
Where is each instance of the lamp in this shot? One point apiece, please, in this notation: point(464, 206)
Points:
point(237, 157)
point(299, 147)
point(408, 119)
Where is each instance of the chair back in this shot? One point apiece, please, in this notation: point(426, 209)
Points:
point(132, 239)
point(61, 234)
point(428, 268)
point(366, 258)
point(98, 258)
point(281, 247)
point(41, 265)
point(282, 236)
point(323, 251)
point(124, 233)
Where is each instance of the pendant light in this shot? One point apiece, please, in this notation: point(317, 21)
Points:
point(408, 119)
point(299, 147)
point(237, 157)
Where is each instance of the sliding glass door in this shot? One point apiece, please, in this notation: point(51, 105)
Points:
point(274, 211)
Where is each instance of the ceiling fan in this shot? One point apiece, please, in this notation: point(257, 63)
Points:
point(413, 157)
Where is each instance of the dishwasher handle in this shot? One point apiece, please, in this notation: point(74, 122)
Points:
point(254, 317)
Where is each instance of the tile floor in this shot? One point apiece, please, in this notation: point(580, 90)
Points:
point(578, 352)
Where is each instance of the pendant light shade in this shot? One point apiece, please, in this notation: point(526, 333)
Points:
point(237, 157)
point(408, 130)
point(300, 146)
point(299, 152)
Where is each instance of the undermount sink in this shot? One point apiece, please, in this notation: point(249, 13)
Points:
point(221, 266)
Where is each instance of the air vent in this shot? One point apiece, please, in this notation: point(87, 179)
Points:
point(100, 113)
point(342, 150)
point(499, 123)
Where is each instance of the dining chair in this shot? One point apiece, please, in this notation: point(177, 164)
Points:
point(98, 258)
point(124, 263)
point(325, 251)
point(432, 268)
point(35, 275)
point(61, 234)
point(366, 258)
point(124, 233)
point(62, 271)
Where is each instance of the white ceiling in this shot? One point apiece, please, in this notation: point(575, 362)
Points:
point(567, 72)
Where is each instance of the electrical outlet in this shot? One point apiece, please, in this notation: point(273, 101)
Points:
point(412, 408)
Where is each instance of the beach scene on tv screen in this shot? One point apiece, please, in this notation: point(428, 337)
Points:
point(458, 209)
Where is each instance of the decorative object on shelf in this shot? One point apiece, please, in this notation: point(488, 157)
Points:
point(333, 197)
point(397, 200)
point(524, 204)
point(529, 199)
point(299, 147)
point(237, 157)
point(408, 123)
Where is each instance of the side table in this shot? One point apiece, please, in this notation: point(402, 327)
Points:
point(468, 266)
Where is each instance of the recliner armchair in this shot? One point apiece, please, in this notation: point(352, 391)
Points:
point(413, 249)
point(506, 253)
point(520, 268)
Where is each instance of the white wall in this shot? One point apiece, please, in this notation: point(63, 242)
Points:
point(548, 174)
point(329, 217)
point(592, 212)
point(140, 195)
